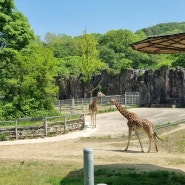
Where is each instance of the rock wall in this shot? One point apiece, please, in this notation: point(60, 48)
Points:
point(164, 86)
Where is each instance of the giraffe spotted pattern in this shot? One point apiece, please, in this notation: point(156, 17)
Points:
point(93, 108)
point(135, 123)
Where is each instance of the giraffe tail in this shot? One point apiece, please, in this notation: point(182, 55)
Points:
point(156, 136)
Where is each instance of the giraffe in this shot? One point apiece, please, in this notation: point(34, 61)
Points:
point(135, 123)
point(93, 108)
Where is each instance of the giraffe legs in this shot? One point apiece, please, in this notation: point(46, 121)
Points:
point(149, 148)
point(129, 136)
point(137, 134)
point(92, 124)
point(93, 120)
point(154, 136)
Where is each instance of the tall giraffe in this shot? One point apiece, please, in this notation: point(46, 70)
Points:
point(135, 123)
point(93, 108)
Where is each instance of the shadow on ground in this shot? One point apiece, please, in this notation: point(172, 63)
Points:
point(126, 151)
point(132, 174)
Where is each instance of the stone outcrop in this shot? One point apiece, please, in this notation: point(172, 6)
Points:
point(164, 86)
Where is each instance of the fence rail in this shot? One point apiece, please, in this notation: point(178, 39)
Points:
point(42, 127)
point(128, 99)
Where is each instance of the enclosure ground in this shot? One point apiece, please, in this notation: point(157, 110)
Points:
point(107, 142)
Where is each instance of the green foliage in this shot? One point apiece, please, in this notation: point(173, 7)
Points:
point(179, 60)
point(62, 45)
point(112, 72)
point(17, 33)
point(164, 28)
point(90, 63)
point(164, 63)
point(30, 87)
point(3, 137)
point(115, 49)
point(108, 56)
point(69, 66)
point(6, 7)
point(14, 27)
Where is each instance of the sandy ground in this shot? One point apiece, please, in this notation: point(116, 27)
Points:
point(69, 147)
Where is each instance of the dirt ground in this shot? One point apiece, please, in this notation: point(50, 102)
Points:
point(68, 148)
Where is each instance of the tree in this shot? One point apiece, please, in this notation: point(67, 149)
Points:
point(108, 56)
point(69, 66)
point(90, 62)
point(29, 85)
point(62, 45)
point(178, 60)
point(115, 48)
point(15, 34)
point(15, 30)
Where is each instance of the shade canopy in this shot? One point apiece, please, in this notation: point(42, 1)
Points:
point(165, 44)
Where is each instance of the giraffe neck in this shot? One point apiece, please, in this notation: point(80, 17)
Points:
point(95, 100)
point(128, 115)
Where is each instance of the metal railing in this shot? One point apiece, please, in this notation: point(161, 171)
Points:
point(128, 99)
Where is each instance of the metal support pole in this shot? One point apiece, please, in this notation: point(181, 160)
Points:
point(16, 133)
point(84, 123)
point(65, 125)
point(72, 105)
point(46, 127)
point(88, 166)
point(125, 100)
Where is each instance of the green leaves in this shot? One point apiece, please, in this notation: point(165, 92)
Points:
point(90, 62)
point(15, 30)
point(28, 81)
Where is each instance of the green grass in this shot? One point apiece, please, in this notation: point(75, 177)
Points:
point(175, 143)
point(118, 176)
point(53, 173)
point(33, 172)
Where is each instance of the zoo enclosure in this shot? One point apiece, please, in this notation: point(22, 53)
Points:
point(72, 118)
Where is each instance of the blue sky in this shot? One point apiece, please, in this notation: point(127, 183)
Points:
point(72, 17)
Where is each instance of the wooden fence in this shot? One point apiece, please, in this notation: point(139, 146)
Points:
point(73, 118)
point(41, 127)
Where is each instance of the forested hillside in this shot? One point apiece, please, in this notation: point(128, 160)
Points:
point(164, 28)
point(29, 66)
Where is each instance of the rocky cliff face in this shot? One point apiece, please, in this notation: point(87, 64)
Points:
point(164, 86)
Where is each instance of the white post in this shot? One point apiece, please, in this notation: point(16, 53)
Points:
point(88, 166)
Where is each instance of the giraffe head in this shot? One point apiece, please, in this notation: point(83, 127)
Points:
point(113, 100)
point(100, 94)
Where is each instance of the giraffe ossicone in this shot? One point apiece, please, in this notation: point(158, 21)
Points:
point(135, 123)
